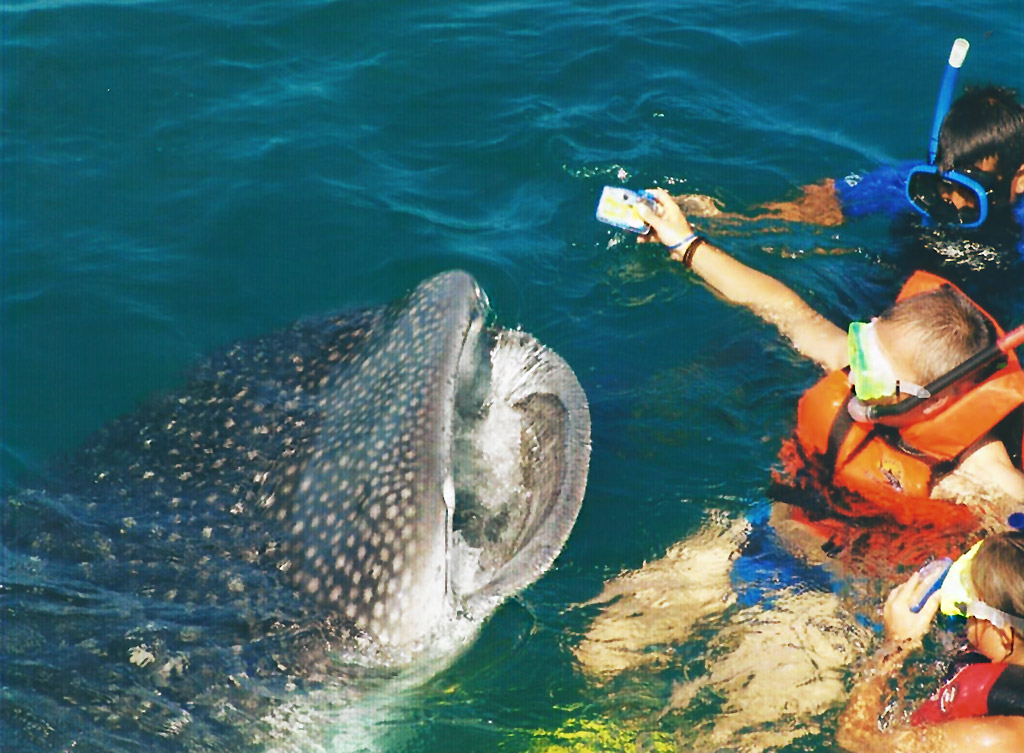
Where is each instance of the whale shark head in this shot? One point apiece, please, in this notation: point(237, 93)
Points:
point(447, 471)
point(323, 505)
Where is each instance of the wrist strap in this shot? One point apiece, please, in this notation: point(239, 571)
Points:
point(683, 242)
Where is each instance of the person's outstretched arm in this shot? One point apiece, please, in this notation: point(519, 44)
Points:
point(811, 334)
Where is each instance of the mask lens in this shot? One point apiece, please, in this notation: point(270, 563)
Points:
point(947, 199)
point(988, 182)
point(870, 372)
point(958, 588)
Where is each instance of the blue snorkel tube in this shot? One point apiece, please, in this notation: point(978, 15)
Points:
point(956, 59)
point(924, 182)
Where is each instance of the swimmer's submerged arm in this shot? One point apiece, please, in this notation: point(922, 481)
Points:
point(859, 731)
point(996, 734)
point(812, 335)
point(818, 204)
point(858, 724)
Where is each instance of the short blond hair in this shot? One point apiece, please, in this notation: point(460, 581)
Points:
point(935, 331)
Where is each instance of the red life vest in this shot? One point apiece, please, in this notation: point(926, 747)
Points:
point(985, 689)
point(891, 471)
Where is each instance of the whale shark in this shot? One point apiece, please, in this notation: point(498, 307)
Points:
point(311, 510)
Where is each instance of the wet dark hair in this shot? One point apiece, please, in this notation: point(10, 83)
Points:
point(983, 122)
point(997, 572)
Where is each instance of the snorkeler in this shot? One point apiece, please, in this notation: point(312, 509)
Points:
point(973, 179)
point(972, 435)
point(937, 395)
point(981, 707)
point(976, 174)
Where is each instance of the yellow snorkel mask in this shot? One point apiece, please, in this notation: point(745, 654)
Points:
point(954, 595)
point(958, 597)
point(871, 374)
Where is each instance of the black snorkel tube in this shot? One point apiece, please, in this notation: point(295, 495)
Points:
point(914, 408)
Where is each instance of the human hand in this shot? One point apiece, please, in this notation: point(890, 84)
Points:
point(668, 224)
point(903, 625)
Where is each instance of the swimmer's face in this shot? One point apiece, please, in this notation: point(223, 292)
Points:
point(993, 642)
point(986, 638)
point(966, 194)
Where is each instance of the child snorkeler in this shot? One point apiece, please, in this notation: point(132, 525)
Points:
point(981, 707)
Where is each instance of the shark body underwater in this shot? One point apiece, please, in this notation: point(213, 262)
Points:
point(313, 509)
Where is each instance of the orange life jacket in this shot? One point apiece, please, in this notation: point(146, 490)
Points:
point(891, 471)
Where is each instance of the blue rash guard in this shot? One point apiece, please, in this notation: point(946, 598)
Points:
point(883, 191)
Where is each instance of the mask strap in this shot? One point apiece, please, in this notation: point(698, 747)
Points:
point(979, 609)
point(909, 388)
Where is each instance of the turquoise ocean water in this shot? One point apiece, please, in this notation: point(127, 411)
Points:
point(178, 176)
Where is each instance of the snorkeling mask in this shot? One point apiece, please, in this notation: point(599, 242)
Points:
point(930, 192)
point(929, 189)
point(958, 597)
point(915, 408)
point(871, 373)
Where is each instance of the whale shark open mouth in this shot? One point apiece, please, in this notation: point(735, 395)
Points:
point(519, 437)
point(446, 472)
point(319, 504)
point(517, 455)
